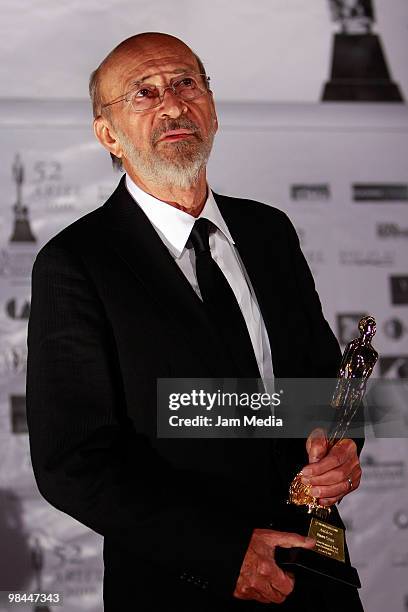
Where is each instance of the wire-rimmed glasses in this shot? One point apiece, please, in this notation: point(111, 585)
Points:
point(145, 96)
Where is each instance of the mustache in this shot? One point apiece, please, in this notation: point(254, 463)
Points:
point(175, 124)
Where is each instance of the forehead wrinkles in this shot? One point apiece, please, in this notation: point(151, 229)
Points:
point(137, 63)
point(154, 68)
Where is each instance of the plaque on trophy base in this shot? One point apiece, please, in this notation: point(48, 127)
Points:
point(327, 558)
point(303, 514)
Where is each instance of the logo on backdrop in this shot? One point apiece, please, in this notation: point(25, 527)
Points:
point(18, 309)
point(399, 290)
point(391, 230)
point(18, 414)
point(394, 329)
point(372, 257)
point(319, 192)
point(21, 226)
point(51, 189)
point(394, 367)
point(347, 325)
point(73, 566)
point(380, 192)
point(16, 261)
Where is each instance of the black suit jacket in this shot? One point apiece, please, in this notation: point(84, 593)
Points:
point(111, 312)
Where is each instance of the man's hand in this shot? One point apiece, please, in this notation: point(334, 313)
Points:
point(332, 474)
point(260, 578)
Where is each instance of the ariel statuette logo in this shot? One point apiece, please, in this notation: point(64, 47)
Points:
point(21, 227)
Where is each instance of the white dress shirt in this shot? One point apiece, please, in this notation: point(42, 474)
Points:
point(174, 227)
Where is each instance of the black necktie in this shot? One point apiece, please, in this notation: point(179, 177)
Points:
point(221, 304)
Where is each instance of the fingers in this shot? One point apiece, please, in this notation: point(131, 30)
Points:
point(343, 451)
point(276, 577)
point(336, 490)
point(260, 578)
point(329, 479)
point(350, 469)
point(316, 445)
point(330, 501)
point(329, 495)
point(264, 567)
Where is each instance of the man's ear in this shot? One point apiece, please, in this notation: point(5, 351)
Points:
point(105, 133)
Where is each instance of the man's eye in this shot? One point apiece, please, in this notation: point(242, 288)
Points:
point(146, 92)
point(186, 82)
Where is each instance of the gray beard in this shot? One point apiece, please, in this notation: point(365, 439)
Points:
point(176, 164)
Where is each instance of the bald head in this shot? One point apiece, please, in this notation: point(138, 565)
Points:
point(139, 49)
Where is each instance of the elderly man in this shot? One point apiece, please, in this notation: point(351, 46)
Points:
point(168, 279)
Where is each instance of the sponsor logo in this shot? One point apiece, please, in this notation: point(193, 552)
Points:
point(399, 290)
point(391, 230)
point(366, 258)
point(394, 367)
point(394, 329)
point(380, 192)
point(347, 326)
point(319, 192)
point(17, 309)
point(382, 474)
point(18, 414)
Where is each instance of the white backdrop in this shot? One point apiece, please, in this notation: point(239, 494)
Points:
point(315, 161)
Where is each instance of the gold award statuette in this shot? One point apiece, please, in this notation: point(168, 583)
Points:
point(358, 361)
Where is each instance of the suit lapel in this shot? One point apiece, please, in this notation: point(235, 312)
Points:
point(260, 248)
point(131, 235)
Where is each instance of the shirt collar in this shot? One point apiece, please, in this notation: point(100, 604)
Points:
point(172, 224)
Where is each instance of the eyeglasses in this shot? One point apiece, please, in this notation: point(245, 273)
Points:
point(145, 96)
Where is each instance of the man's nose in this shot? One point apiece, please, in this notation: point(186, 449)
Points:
point(171, 105)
